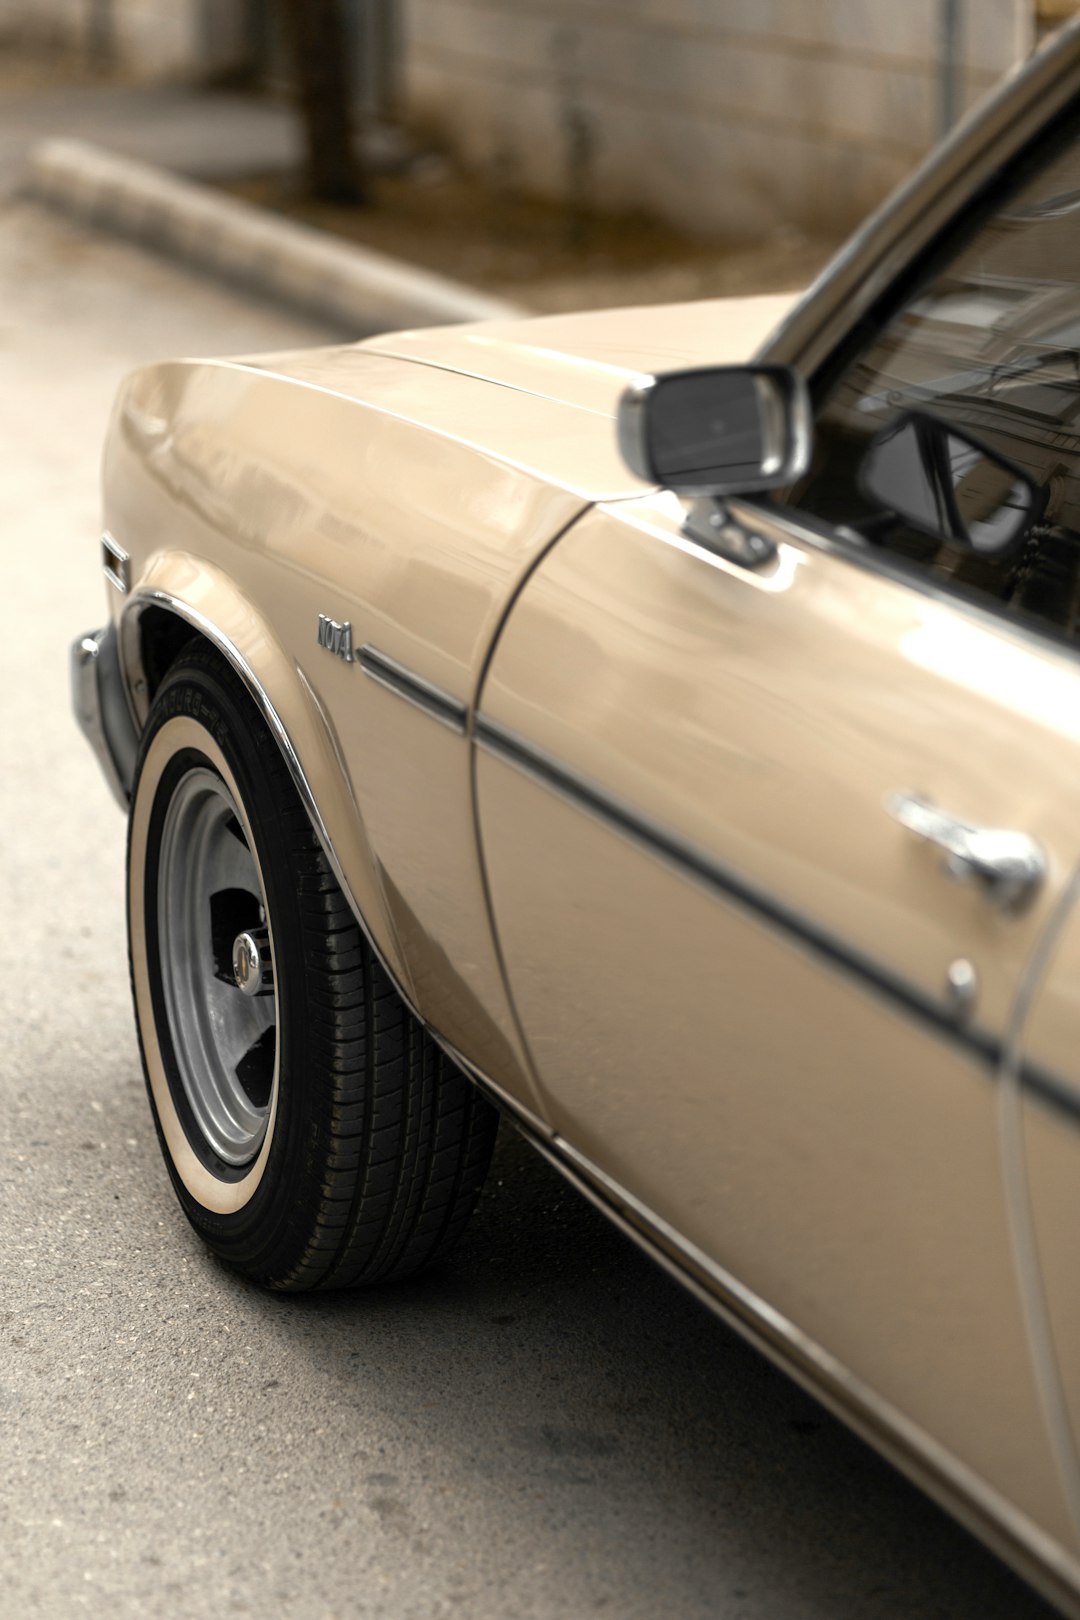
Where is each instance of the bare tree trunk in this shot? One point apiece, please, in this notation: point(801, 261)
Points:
point(318, 47)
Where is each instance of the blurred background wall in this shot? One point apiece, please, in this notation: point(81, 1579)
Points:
point(730, 115)
point(726, 117)
point(154, 38)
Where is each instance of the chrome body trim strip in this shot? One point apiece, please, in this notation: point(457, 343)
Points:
point(1052, 1091)
point(1010, 1533)
point(413, 688)
point(703, 868)
point(530, 1124)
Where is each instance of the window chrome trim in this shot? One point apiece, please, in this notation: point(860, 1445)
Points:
point(912, 219)
point(831, 540)
point(413, 688)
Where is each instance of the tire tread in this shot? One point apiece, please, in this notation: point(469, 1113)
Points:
point(397, 1138)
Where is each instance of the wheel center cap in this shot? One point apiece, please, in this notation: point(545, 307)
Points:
point(251, 962)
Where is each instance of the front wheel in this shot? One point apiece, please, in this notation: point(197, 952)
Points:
point(315, 1134)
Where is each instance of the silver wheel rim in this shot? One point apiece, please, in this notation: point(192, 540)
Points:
point(224, 1042)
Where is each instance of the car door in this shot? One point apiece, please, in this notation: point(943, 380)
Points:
point(1042, 1122)
point(762, 1011)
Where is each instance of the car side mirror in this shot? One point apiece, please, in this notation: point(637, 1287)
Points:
point(947, 483)
point(717, 430)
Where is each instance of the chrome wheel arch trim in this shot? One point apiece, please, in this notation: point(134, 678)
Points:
point(155, 597)
point(529, 1122)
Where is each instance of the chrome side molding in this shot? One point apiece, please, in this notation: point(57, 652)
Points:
point(413, 688)
point(704, 868)
point(1041, 1560)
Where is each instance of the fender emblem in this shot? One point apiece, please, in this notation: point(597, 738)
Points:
point(336, 638)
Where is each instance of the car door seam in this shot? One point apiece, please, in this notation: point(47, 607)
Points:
point(511, 602)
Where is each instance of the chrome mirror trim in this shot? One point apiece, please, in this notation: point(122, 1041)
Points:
point(630, 427)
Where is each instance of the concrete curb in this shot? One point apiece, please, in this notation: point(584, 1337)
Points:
point(341, 285)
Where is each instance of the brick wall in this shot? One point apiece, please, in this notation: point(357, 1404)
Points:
point(726, 116)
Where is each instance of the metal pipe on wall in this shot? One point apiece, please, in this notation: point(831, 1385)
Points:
point(100, 38)
point(952, 66)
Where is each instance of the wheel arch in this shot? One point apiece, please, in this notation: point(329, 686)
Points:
point(181, 599)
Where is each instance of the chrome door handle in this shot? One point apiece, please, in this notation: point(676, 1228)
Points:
point(1010, 865)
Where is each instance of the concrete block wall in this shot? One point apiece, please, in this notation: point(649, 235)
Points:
point(725, 116)
point(154, 38)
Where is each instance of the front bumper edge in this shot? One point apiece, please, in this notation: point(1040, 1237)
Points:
point(101, 709)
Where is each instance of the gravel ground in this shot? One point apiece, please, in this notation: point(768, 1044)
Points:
point(548, 1427)
point(533, 252)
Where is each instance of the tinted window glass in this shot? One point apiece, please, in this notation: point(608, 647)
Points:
point(989, 343)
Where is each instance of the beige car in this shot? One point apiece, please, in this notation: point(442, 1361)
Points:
point(678, 750)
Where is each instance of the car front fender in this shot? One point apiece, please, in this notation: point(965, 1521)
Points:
point(178, 589)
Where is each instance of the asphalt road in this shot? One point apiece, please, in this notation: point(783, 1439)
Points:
point(548, 1427)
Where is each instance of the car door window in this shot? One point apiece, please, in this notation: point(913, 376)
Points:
point(988, 340)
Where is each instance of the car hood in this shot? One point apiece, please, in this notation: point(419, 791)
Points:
point(566, 374)
point(586, 360)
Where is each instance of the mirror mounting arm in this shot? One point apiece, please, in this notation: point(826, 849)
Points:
point(709, 523)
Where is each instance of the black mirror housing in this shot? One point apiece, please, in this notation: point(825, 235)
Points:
point(717, 430)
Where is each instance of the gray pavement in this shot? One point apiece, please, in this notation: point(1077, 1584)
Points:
point(549, 1427)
